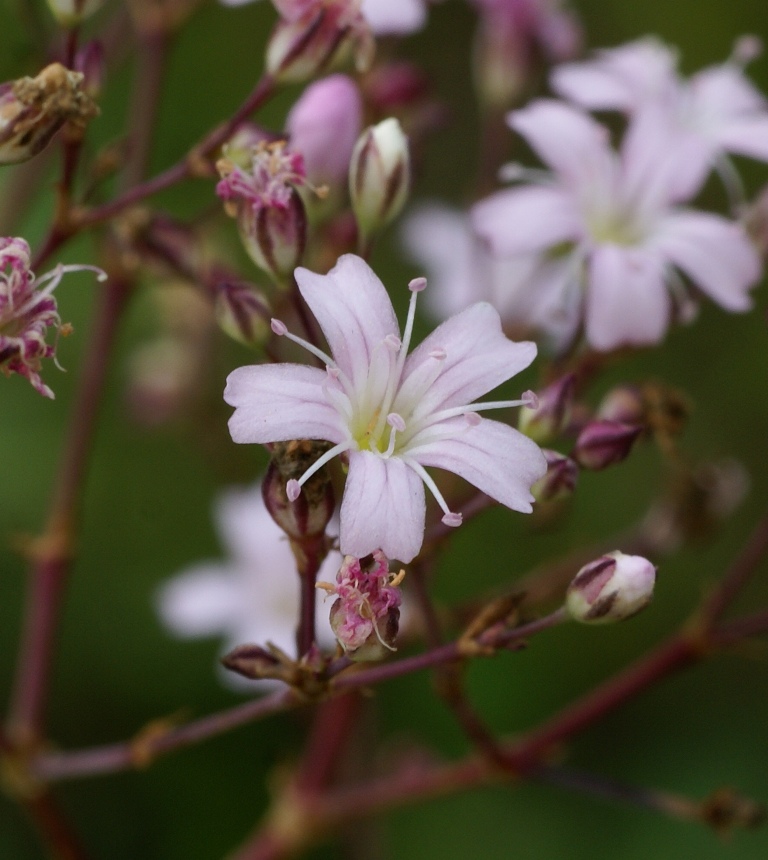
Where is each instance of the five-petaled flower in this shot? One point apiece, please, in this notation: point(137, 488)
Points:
point(612, 223)
point(392, 414)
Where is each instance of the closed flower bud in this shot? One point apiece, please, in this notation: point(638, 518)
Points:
point(242, 313)
point(312, 35)
point(308, 515)
point(624, 403)
point(379, 175)
point(366, 616)
point(70, 13)
point(560, 479)
point(552, 414)
point(604, 443)
point(32, 110)
point(324, 125)
point(611, 588)
point(90, 63)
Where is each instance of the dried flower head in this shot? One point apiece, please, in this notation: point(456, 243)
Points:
point(32, 110)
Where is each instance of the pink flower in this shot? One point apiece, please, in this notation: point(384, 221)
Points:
point(625, 241)
point(253, 595)
point(398, 17)
point(26, 312)
point(391, 414)
point(324, 125)
point(714, 112)
point(526, 290)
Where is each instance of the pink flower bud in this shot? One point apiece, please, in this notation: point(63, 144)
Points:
point(560, 479)
point(308, 514)
point(32, 110)
point(623, 403)
point(379, 175)
point(90, 63)
point(242, 312)
point(604, 443)
point(545, 422)
point(611, 588)
point(324, 125)
point(312, 34)
point(365, 617)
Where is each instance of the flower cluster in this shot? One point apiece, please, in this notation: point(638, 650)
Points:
point(27, 311)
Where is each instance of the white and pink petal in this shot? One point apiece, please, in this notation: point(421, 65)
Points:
point(278, 402)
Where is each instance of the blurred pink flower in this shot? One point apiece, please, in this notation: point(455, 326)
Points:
point(526, 290)
point(611, 217)
point(324, 125)
point(391, 414)
point(716, 111)
point(398, 17)
point(252, 596)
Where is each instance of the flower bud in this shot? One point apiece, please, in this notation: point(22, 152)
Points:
point(624, 403)
point(560, 479)
point(366, 616)
point(90, 63)
point(313, 34)
point(551, 416)
point(611, 588)
point(242, 313)
point(379, 175)
point(70, 13)
point(604, 443)
point(32, 110)
point(308, 515)
point(324, 125)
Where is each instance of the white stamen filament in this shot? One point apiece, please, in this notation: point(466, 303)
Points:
point(55, 276)
point(293, 487)
point(432, 487)
point(481, 407)
point(281, 330)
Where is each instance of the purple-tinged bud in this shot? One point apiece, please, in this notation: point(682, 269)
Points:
point(252, 661)
point(242, 312)
point(393, 87)
point(366, 616)
point(270, 213)
point(32, 110)
point(611, 588)
point(70, 13)
point(324, 125)
point(307, 515)
point(560, 479)
point(90, 63)
point(545, 422)
point(625, 403)
point(604, 443)
point(379, 175)
point(313, 34)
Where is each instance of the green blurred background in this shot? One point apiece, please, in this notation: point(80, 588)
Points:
point(147, 515)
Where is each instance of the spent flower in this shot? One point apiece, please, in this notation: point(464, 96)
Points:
point(391, 414)
point(27, 309)
point(366, 614)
